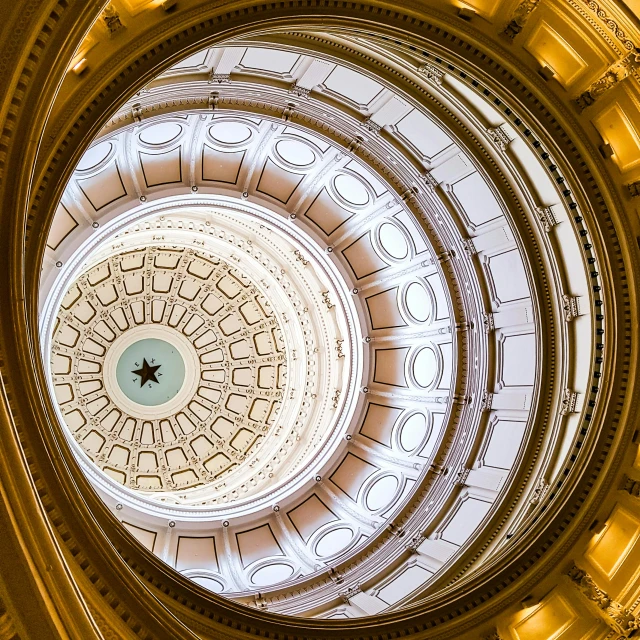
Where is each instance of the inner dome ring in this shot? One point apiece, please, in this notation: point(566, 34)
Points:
point(350, 329)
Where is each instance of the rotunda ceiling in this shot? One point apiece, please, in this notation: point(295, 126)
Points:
point(346, 282)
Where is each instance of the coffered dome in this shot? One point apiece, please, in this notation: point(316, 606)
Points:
point(331, 409)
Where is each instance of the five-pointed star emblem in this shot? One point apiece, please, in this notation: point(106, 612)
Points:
point(147, 373)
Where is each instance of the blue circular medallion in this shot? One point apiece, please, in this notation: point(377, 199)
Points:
point(150, 372)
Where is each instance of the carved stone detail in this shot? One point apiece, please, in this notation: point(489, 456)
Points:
point(634, 188)
point(631, 486)
point(430, 180)
point(349, 592)
point(539, 492)
point(111, 19)
point(616, 616)
point(432, 73)
point(463, 474)
point(327, 300)
point(494, 635)
point(570, 307)
point(414, 543)
point(410, 194)
point(618, 71)
point(336, 576)
point(355, 144)
point(546, 217)
point(372, 126)
point(469, 247)
point(214, 98)
point(569, 399)
point(304, 261)
point(136, 112)
point(489, 322)
point(289, 110)
point(519, 18)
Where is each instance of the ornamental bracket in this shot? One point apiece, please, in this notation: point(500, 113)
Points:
point(614, 614)
point(569, 399)
point(519, 18)
point(570, 306)
point(349, 592)
point(546, 217)
point(111, 19)
point(487, 401)
point(301, 92)
point(499, 137)
point(432, 73)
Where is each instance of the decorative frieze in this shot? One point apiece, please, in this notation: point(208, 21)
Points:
point(618, 71)
point(614, 614)
point(609, 22)
point(519, 18)
point(569, 399)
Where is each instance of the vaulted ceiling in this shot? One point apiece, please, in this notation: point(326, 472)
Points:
point(162, 175)
point(393, 255)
